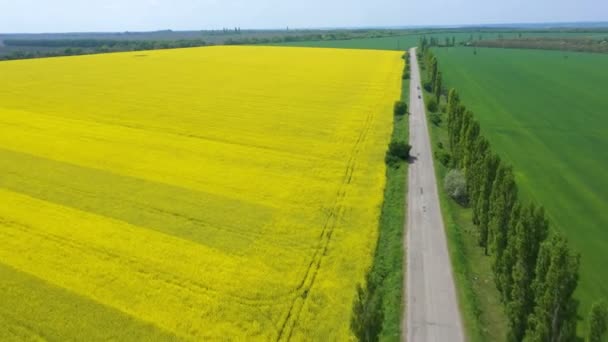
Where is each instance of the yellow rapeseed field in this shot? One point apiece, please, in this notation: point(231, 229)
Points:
point(196, 194)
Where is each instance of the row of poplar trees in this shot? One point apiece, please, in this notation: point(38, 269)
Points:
point(535, 271)
point(424, 42)
point(434, 82)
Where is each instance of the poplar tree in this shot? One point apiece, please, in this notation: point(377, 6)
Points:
point(475, 174)
point(502, 199)
point(427, 57)
point(453, 100)
point(530, 232)
point(598, 322)
point(491, 165)
point(433, 71)
point(470, 138)
point(517, 222)
point(438, 86)
point(460, 151)
point(456, 129)
point(453, 104)
point(423, 45)
point(554, 315)
point(541, 231)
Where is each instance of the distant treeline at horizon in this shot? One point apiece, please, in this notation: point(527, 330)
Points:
point(23, 48)
point(544, 43)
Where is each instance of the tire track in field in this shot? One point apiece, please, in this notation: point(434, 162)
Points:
point(335, 214)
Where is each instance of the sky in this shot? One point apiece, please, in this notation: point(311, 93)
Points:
point(30, 16)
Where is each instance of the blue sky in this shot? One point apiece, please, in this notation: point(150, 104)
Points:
point(141, 15)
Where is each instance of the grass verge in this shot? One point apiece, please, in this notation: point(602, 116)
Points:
point(388, 261)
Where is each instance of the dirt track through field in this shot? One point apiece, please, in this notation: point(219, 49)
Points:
point(432, 312)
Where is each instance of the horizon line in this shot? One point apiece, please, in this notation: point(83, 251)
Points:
point(517, 25)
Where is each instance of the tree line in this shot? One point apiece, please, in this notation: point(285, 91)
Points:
point(39, 48)
point(424, 43)
point(328, 36)
point(535, 270)
point(71, 47)
point(107, 43)
point(544, 43)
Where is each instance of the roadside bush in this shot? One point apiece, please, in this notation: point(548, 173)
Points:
point(443, 108)
point(397, 151)
point(435, 119)
point(428, 87)
point(400, 108)
point(431, 104)
point(456, 186)
point(367, 316)
point(443, 157)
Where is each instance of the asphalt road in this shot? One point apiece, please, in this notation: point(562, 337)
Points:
point(432, 312)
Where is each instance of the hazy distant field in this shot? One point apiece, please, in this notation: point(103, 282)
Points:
point(545, 112)
point(404, 42)
point(191, 194)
